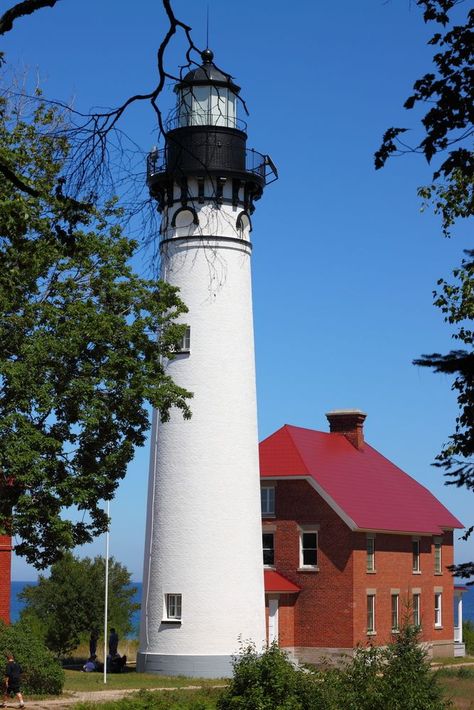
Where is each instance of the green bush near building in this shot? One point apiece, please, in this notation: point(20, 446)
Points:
point(42, 673)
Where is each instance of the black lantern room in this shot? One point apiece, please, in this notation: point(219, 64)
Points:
point(206, 140)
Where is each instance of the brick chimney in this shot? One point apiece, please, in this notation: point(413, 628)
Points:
point(349, 422)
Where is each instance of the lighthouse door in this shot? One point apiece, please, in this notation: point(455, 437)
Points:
point(272, 620)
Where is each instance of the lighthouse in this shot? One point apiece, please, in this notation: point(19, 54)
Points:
point(203, 571)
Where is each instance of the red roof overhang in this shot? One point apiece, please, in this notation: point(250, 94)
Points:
point(277, 583)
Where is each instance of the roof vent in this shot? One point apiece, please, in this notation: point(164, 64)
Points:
point(349, 422)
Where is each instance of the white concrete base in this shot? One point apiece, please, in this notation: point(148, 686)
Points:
point(190, 666)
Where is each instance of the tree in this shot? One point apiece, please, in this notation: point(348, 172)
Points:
point(448, 131)
point(65, 607)
point(79, 358)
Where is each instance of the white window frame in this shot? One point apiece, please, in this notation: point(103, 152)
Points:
point(267, 500)
point(416, 604)
point(313, 530)
point(272, 548)
point(370, 614)
point(173, 607)
point(370, 548)
point(394, 611)
point(438, 610)
point(185, 345)
point(438, 546)
point(415, 555)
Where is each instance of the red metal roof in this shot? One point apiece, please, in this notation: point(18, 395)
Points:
point(275, 582)
point(366, 489)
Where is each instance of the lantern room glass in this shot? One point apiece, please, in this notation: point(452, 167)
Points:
point(207, 106)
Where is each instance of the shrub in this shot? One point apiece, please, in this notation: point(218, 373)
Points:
point(203, 699)
point(468, 636)
point(42, 673)
point(269, 681)
point(407, 682)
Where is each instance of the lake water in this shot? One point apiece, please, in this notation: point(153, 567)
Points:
point(16, 604)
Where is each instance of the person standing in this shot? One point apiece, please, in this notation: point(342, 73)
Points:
point(113, 642)
point(12, 681)
point(93, 643)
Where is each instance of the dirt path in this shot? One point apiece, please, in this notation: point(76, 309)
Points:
point(96, 696)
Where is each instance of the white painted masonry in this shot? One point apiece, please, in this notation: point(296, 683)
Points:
point(203, 532)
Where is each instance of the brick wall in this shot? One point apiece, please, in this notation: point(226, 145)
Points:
point(5, 565)
point(323, 609)
point(394, 573)
point(331, 609)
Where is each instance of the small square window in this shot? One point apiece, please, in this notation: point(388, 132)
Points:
point(268, 549)
point(173, 606)
point(309, 549)
point(267, 498)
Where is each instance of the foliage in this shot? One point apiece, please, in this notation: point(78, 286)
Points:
point(79, 358)
point(448, 92)
point(468, 636)
point(269, 681)
point(42, 673)
point(203, 699)
point(397, 677)
point(69, 604)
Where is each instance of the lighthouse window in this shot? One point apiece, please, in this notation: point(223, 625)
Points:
point(200, 105)
point(173, 606)
point(185, 345)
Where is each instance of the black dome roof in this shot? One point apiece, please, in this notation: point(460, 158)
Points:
point(207, 73)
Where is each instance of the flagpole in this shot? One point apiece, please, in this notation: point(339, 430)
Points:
point(106, 598)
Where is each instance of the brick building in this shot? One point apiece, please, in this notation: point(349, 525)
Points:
point(352, 545)
point(5, 577)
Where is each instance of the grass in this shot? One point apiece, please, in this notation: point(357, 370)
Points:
point(204, 699)
point(458, 684)
point(79, 681)
point(459, 660)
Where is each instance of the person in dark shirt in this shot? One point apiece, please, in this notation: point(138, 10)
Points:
point(113, 642)
point(12, 681)
point(93, 643)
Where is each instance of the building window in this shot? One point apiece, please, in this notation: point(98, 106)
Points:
point(268, 550)
point(437, 609)
point(437, 556)
point(371, 613)
point(267, 498)
point(185, 345)
point(173, 607)
point(309, 549)
point(370, 553)
point(416, 609)
point(395, 598)
point(415, 546)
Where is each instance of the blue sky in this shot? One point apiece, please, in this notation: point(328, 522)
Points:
point(344, 262)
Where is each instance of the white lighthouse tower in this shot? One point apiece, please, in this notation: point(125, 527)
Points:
point(203, 572)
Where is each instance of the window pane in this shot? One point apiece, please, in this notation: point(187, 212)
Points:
point(370, 554)
point(437, 559)
point(394, 611)
point(268, 549)
point(416, 555)
point(267, 497)
point(309, 557)
point(416, 609)
point(309, 540)
point(370, 612)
